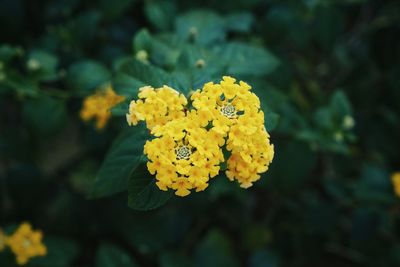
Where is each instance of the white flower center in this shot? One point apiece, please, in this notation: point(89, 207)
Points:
point(26, 243)
point(183, 152)
point(228, 111)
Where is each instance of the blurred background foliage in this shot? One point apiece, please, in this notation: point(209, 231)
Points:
point(327, 72)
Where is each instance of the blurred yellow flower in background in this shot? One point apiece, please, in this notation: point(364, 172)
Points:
point(396, 183)
point(26, 243)
point(98, 105)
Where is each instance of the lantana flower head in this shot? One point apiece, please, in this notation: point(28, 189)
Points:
point(224, 104)
point(184, 155)
point(235, 111)
point(26, 243)
point(189, 137)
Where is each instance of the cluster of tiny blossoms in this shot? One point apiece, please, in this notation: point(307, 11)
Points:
point(190, 136)
point(156, 106)
point(98, 105)
point(25, 243)
point(235, 113)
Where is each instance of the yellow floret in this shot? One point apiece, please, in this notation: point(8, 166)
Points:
point(26, 243)
point(251, 156)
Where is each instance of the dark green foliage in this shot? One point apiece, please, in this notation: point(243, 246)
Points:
point(61, 253)
point(44, 115)
point(85, 76)
point(143, 194)
point(112, 256)
point(125, 155)
point(327, 74)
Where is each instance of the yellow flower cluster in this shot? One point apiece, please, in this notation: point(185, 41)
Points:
point(25, 243)
point(98, 105)
point(235, 112)
point(156, 106)
point(396, 183)
point(189, 137)
point(184, 155)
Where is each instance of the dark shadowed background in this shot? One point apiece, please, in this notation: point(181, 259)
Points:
point(328, 73)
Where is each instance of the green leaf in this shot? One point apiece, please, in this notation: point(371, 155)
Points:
point(43, 65)
point(145, 73)
point(239, 22)
point(159, 51)
point(121, 161)
point(143, 194)
point(188, 80)
point(244, 59)
point(163, 54)
point(126, 85)
point(271, 120)
point(197, 58)
point(201, 26)
point(324, 119)
point(44, 115)
point(160, 13)
point(109, 255)
point(20, 85)
point(7, 52)
point(133, 74)
point(197, 66)
point(121, 109)
point(60, 253)
point(85, 76)
point(340, 104)
point(374, 186)
point(142, 40)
